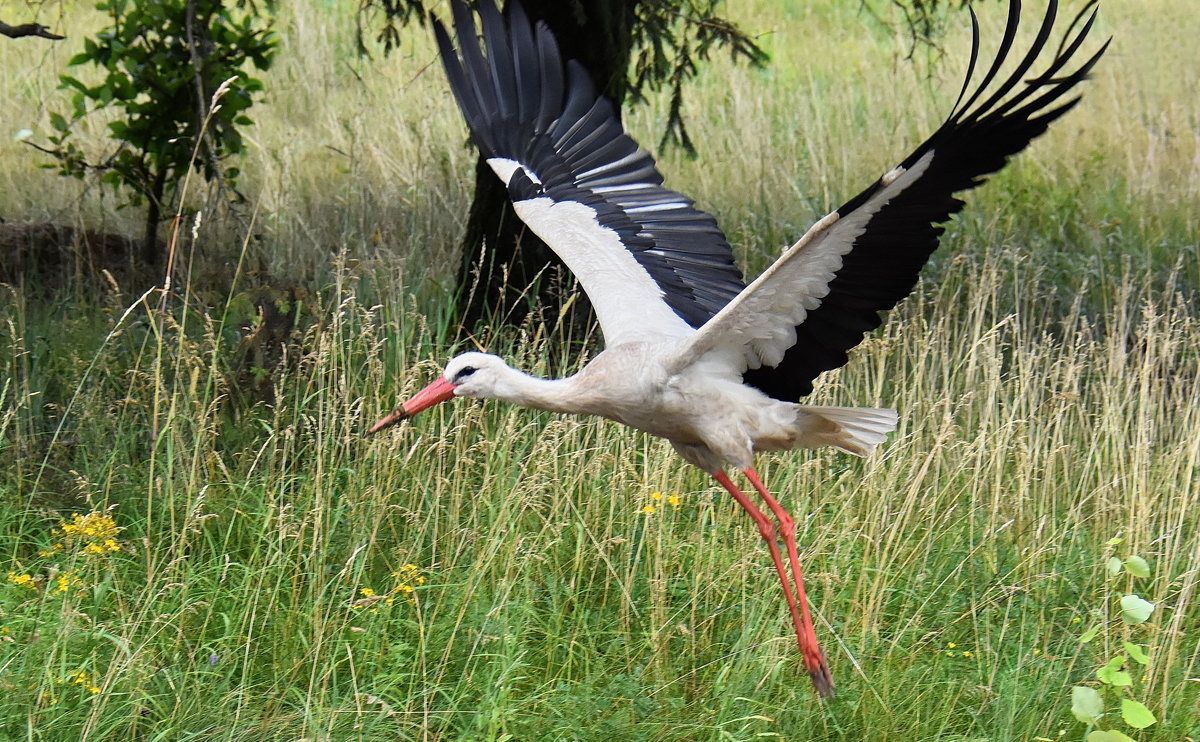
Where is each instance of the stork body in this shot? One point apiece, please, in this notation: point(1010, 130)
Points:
point(711, 418)
point(694, 355)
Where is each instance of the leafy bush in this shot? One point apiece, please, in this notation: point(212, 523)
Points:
point(167, 63)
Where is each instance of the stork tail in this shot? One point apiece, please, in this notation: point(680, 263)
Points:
point(856, 430)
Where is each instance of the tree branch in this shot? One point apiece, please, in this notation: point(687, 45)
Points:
point(28, 29)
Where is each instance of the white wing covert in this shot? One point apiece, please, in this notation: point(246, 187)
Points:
point(653, 265)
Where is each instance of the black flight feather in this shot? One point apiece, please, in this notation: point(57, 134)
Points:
point(882, 266)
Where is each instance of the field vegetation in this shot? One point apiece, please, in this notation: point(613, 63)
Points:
point(200, 544)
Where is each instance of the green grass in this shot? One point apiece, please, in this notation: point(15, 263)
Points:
point(1046, 373)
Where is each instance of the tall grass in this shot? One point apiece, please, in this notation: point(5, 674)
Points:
point(1046, 374)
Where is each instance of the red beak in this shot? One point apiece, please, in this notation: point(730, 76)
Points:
point(438, 391)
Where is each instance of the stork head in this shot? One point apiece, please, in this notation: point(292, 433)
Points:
point(478, 375)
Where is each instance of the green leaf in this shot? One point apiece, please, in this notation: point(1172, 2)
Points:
point(1114, 566)
point(1089, 634)
point(58, 122)
point(66, 81)
point(1115, 540)
point(1113, 673)
point(1134, 610)
point(1086, 704)
point(1137, 566)
point(1111, 735)
point(1136, 714)
point(1135, 651)
point(1116, 678)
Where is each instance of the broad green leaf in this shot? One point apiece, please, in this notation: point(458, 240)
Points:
point(1115, 540)
point(1134, 610)
point(1136, 714)
point(1114, 566)
point(1115, 678)
point(1086, 704)
point(1111, 735)
point(1089, 634)
point(1137, 566)
point(1135, 651)
point(58, 122)
point(1114, 674)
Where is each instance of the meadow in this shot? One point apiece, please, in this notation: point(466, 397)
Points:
point(200, 544)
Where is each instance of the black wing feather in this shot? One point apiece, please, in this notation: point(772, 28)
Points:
point(523, 103)
point(882, 267)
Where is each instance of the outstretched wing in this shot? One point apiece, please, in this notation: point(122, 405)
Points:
point(801, 316)
point(652, 264)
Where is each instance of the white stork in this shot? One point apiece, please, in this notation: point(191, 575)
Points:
point(693, 354)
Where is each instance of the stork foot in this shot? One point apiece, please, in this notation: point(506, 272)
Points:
point(818, 670)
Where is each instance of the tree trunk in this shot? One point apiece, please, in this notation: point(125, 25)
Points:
point(506, 270)
point(153, 212)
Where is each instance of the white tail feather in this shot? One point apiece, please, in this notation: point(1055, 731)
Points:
point(856, 430)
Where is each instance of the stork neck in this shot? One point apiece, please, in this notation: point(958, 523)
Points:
point(553, 395)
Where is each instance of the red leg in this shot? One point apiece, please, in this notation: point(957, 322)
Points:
point(810, 650)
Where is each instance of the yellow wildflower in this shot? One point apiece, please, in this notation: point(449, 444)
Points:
point(84, 680)
point(22, 580)
point(406, 578)
point(96, 531)
point(673, 500)
point(367, 592)
point(649, 510)
point(951, 645)
point(65, 581)
point(656, 496)
point(95, 526)
point(966, 654)
point(409, 573)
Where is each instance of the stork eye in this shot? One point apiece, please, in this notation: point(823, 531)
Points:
point(464, 374)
